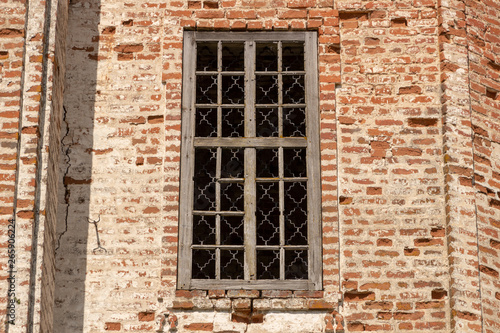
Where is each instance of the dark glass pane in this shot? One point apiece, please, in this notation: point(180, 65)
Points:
point(266, 89)
point(204, 179)
point(294, 161)
point(266, 57)
point(296, 265)
point(233, 89)
point(231, 264)
point(293, 89)
point(233, 121)
point(231, 230)
point(294, 122)
point(206, 89)
point(268, 264)
point(206, 56)
point(206, 123)
point(203, 230)
point(267, 163)
point(231, 198)
point(203, 264)
point(267, 214)
point(293, 57)
point(267, 122)
point(233, 57)
point(232, 163)
point(295, 213)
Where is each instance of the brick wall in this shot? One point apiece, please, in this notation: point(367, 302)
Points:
point(483, 40)
point(11, 59)
point(469, 54)
point(409, 96)
point(392, 215)
point(120, 164)
point(28, 38)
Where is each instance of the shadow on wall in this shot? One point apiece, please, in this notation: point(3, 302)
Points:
point(76, 165)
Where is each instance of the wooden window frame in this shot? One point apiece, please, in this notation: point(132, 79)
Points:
point(310, 142)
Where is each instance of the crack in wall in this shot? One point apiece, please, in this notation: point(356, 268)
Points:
point(66, 150)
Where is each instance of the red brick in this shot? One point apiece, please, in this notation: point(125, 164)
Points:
point(276, 293)
point(10, 33)
point(243, 293)
point(293, 14)
point(146, 316)
point(200, 327)
point(320, 305)
point(357, 296)
point(129, 48)
point(301, 3)
point(112, 326)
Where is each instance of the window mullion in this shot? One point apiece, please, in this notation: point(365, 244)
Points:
point(218, 208)
point(250, 162)
point(280, 90)
point(218, 164)
point(280, 163)
point(282, 216)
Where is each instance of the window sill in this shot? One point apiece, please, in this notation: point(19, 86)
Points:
point(260, 300)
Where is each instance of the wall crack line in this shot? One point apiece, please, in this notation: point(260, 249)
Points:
point(66, 150)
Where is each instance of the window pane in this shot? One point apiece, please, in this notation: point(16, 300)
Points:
point(266, 89)
point(231, 230)
point(203, 264)
point(294, 161)
point(233, 121)
point(232, 163)
point(206, 123)
point(293, 56)
point(268, 264)
point(233, 89)
point(206, 89)
point(296, 265)
point(267, 122)
point(267, 163)
point(231, 198)
point(231, 264)
point(268, 214)
point(206, 57)
point(204, 179)
point(233, 57)
point(294, 122)
point(203, 230)
point(293, 89)
point(295, 213)
point(267, 57)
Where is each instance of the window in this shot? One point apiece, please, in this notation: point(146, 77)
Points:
point(250, 205)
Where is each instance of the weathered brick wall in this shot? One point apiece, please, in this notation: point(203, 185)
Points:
point(469, 53)
point(120, 164)
point(81, 96)
point(409, 96)
point(394, 266)
point(11, 59)
point(27, 43)
point(483, 40)
point(44, 309)
point(460, 198)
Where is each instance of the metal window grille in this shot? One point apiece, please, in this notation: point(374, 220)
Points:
point(250, 179)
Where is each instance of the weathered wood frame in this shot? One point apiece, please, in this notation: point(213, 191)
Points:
point(311, 142)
